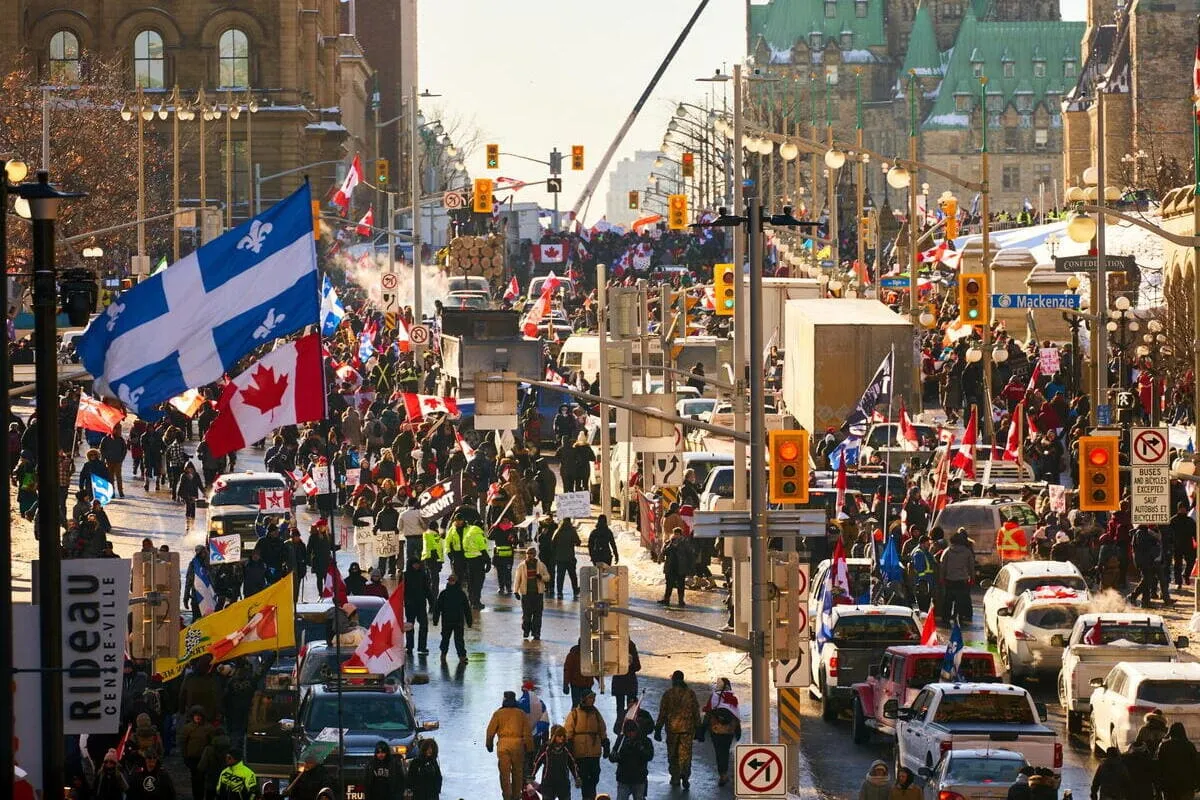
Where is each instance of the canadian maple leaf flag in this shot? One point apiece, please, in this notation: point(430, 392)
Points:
point(964, 459)
point(363, 228)
point(309, 486)
point(909, 440)
point(550, 253)
point(1012, 445)
point(531, 325)
point(382, 649)
point(419, 405)
point(94, 415)
point(341, 198)
point(285, 387)
point(513, 291)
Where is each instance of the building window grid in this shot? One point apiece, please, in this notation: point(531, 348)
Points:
point(1010, 69)
point(962, 103)
point(1010, 177)
point(847, 40)
point(860, 9)
point(149, 60)
point(233, 60)
point(830, 9)
point(64, 57)
point(1039, 69)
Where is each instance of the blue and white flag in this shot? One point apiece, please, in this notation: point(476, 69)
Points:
point(825, 628)
point(190, 324)
point(202, 587)
point(366, 347)
point(889, 562)
point(332, 310)
point(952, 663)
point(102, 490)
point(878, 392)
point(847, 449)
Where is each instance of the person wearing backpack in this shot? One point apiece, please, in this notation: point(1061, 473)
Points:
point(723, 724)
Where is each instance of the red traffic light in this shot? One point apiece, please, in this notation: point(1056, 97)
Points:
point(1098, 456)
point(788, 451)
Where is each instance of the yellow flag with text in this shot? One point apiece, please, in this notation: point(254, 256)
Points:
point(263, 621)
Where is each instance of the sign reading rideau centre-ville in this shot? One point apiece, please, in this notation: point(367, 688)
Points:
point(95, 608)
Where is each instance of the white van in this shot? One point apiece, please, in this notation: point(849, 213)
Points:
point(582, 351)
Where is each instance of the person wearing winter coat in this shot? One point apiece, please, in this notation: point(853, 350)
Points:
point(723, 724)
point(1139, 760)
point(385, 774)
point(905, 788)
point(558, 767)
point(453, 608)
point(531, 581)
point(1153, 730)
point(150, 781)
point(194, 736)
point(424, 772)
point(110, 783)
point(587, 736)
point(632, 755)
point(624, 688)
point(254, 574)
point(602, 545)
point(320, 551)
point(1177, 764)
point(958, 572)
point(878, 784)
point(679, 713)
point(677, 561)
point(575, 683)
point(509, 737)
point(417, 599)
point(212, 762)
point(565, 540)
point(1043, 784)
point(312, 778)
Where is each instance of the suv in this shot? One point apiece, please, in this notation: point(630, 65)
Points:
point(1019, 577)
point(982, 517)
point(233, 503)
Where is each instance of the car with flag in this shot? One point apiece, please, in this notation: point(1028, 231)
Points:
point(946, 717)
point(902, 672)
point(1031, 633)
point(1100, 641)
point(887, 440)
point(1121, 700)
point(850, 639)
point(236, 504)
point(1019, 577)
point(982, 517)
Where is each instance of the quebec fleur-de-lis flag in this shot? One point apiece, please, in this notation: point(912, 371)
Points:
point(190, 324)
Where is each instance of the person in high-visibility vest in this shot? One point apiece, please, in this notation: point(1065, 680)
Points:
point(474, 546)
point(433, 552)
point(1011, 542)
point(924, 572)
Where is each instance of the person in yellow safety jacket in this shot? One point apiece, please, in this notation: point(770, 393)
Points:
point(475, 551)
point(433, 552)
point(1011, 542)
point(455, 536)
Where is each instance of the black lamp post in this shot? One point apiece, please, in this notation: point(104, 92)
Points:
point(44, 201)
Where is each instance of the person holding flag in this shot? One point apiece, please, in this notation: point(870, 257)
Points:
point(199, 593)
point(952, 663)
point(958, 573)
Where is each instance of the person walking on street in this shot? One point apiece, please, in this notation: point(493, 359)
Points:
point(587, 735)
point(188, 490)
point(632, 755)
point(677, 564)
point(565, 540)
point(504, 539)
point(1111, 780)
point(320, 552)
point(385, 775)
point(539, 717)
point(530, 588)
point(602, 545)
point(878, 784)
point(454, 610)
point(905, 787)
point(558, 767)
point(1182, 530)
point(150, 781)
point(297, 561)
point(433, 553)
point(237, 781)
point(425, 773)
point(723, 724)
point(508, 736)
point(114, 448)
point(417, 598)
point(1177, 764)
point(958, 572)
point(679, 713)
point(575, 683)
point(194, 736)
point(624, 688)
point(1153, 730)
point(475, 547)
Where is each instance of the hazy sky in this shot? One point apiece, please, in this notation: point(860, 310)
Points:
point(532, 75)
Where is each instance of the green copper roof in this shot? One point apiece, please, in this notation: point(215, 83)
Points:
point(783, 23)
point(923, 56)
point(1024, 47)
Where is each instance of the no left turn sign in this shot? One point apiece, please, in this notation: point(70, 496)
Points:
point(760, 770)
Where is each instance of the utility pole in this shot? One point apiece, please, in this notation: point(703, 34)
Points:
point(414, 179)
point(739, 292)
point(605, 381)
point(555, 169)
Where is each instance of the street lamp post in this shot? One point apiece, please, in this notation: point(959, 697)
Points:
point(859, 170)
point(415, 188)
point(1122, 324)
point(834, 163)
point(44, 201)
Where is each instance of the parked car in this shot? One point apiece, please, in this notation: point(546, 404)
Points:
point(1122, 699)
point(1031, 633)
point(982, 517)
point(901, 673)
point(980, 774)
point(1099, 642)
point(859, 635)
point(859, 575)
point(1019, 577)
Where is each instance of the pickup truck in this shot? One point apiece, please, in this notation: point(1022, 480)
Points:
point(904, 671)
point(1099, 642)
point(962, 716)
point(858, 638)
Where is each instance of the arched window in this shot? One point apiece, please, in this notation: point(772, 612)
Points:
point(64, 57)
point(148, 60)
point(233, 52)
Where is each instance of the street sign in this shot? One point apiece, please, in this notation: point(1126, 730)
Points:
point(894, 283)
point(1126, 400)
point(793, 673)
point(666, 469)
point(1035, 301)
point(389, 295)
point(760, 770)
point(554, 185)
point(453, 200)
point(1150, 482)
point(1088, 263)
point(1104, 414)
point(801, 522)
point(419, 335)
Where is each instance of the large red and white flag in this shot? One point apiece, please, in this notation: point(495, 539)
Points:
point(420, 405)
point(1012, 446)
point(929, 629)
point(839, 570)
point(909, 440)
point(549, 253)
point(382, 649)
point(94, 415)
point(532, 323)
point(513, 291)
point(964, 459)
point(344, 193)
point(334, 587)
point(403, 340)
point(366, 223)
point(262, 626)
point(285, 387)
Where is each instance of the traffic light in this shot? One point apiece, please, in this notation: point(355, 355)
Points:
point(689, 165)
point(316, 215)
point(493, 156)
point(974, 304)
point(383, 171)
point(677, 212)
point(783, 636)
point(576, 156)
point(949, 208)
point(482, 201)
point(1099, 488)
point(723, 289)
point(787, 463)
point(865, 222)
point(604, 635)
point(78, 294)
point(633, 200)
point(155, 600)
point(495, 400)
